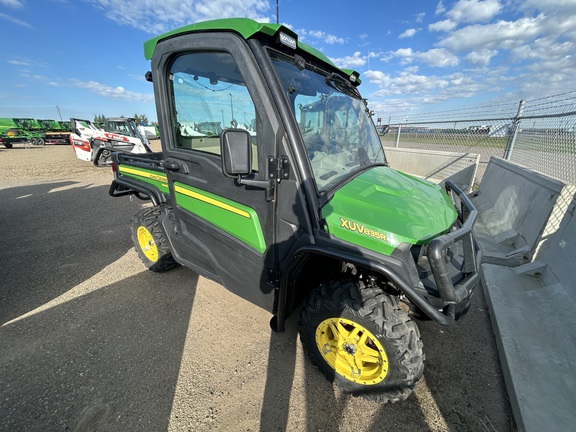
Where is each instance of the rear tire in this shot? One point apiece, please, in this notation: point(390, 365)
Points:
point(150, 242)
point(361, 339)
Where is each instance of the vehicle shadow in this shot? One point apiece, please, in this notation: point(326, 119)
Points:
point(108, 360)
point(55, 236)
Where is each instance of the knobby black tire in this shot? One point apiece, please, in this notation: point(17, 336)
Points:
point(150, 219)
point(384, 318)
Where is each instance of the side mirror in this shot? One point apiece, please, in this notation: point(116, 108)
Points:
point(384, 129)
point(236, 151)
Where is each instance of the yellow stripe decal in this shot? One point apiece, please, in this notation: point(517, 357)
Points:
point(211, 201)
point(128, 170)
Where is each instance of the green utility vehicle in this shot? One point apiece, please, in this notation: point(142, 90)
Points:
point(292, 204)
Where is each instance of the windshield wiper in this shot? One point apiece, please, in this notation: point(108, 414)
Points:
point(340, 84)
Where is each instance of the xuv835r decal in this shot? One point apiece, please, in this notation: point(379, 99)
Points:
point(361, 229)
point(236, 219)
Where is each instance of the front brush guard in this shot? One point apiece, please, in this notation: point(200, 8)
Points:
point(437, 248)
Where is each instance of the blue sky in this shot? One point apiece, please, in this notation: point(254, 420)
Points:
point(86, 58)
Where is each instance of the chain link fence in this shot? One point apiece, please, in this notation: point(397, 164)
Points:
point(539, 134)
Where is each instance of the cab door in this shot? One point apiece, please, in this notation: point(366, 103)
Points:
point(209, 83)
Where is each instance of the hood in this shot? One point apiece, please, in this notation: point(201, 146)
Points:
point(382, 208)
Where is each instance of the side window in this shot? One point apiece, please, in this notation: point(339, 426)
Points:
point(208, 96)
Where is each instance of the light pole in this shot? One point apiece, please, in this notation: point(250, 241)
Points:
point(231, 106)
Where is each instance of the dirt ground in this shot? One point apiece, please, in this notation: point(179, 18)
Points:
point(91, 340)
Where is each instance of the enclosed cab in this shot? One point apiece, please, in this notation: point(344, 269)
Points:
point(287, 200)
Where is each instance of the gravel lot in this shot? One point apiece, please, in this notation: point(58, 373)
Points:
point(91, 340)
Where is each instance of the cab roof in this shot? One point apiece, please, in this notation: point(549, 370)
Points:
point(246, 28)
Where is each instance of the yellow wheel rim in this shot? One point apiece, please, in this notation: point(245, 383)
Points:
point(147, 244)
point(352, 351)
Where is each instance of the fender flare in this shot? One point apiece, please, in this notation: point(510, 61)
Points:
point(128, 186)
point(444, 317)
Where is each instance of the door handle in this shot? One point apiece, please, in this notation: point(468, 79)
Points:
point(170, 165)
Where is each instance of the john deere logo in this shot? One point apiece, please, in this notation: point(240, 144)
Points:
point(361, 229)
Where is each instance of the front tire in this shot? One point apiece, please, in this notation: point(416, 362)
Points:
point(361, 339)
point(150, 242)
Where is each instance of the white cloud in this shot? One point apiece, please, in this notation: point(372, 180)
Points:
point(481, 57)
point(474, 10)
point(112, 92)
point(14, 20)
point(440, 9)
point(321, 36)
point(436, 57)
point(12, 3)
point(410, 91)
point(331, 39)
point(546, 49)
point(420, 17)
point(503, 34)
point(156, 17)
point(519, 40)
point(408, 33)
point(25, 61)
point(354, 61)
point(550, 6)
point(443, 26)
point(406, 83)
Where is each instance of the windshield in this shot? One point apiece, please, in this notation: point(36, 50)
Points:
point(339, 135)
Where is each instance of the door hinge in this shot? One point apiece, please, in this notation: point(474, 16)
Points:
point(278, 168)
